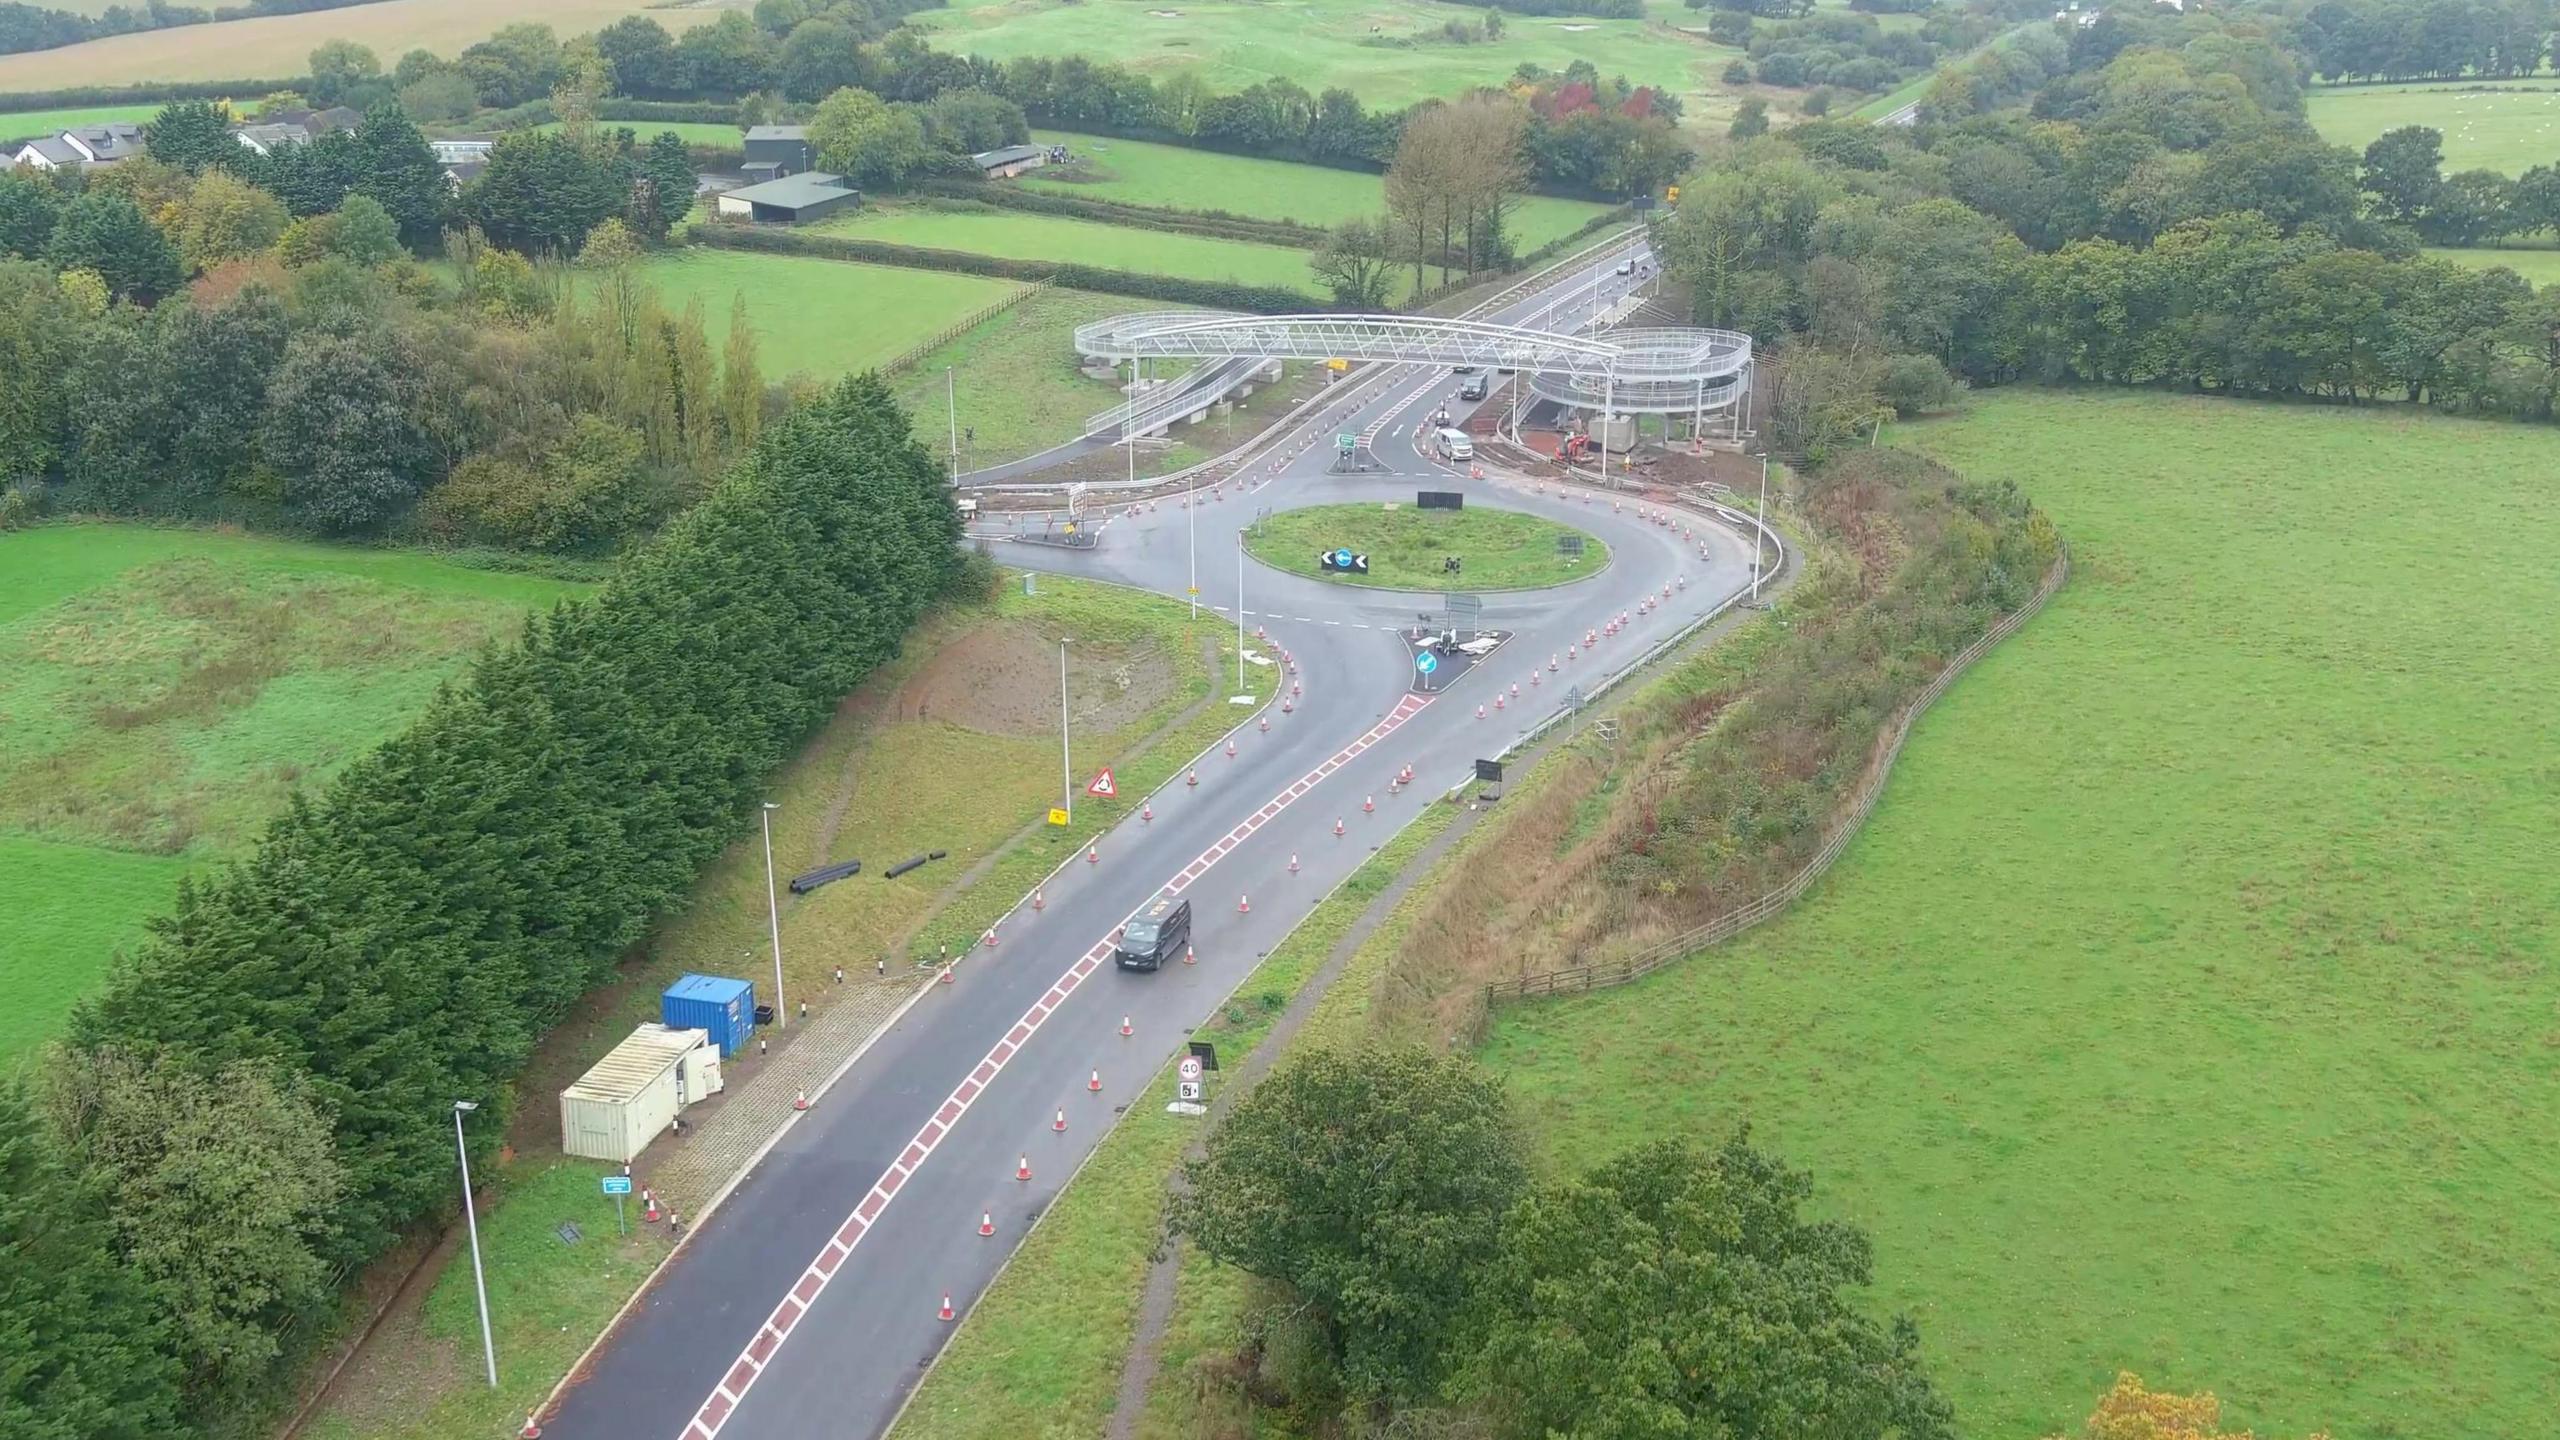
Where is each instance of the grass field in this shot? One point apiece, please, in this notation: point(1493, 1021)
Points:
point(163, 691)
point(1137, 172)
point(1388, 56)
point(2542, 267)
point(2188, 1004)
point(1502, 549)
point(276, 46)
point(1024, 236)
point(823, 317)
point(27, 124)
point(695, 132)
point(2509, 128)
point(1014, 379)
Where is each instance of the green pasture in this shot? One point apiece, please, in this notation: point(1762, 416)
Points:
point(820, 317)
point(2542, 267)
point(1501, 549)
point(28, 124)
point(1138, 172)
point(162, 692)
point(1388, 56)
point(694, 132)
point(2509, 127)
point(1024, 236)
point(2191, 1003)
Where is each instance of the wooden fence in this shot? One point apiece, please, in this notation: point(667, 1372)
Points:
point(1861, 801)
point(907, 359)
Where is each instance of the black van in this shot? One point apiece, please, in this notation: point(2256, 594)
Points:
point(1149, 940)
point(1474, 388)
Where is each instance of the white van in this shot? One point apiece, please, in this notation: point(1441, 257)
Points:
point(1454, 445)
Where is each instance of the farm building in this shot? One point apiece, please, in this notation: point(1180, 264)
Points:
point(778, 152)
point(1010, 161)
point(789, 200)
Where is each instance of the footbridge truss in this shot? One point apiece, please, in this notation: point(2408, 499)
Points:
point(1652, 371)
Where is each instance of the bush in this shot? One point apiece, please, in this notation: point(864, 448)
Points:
point(1213, 294)
point(1217, 223)
point(584, 494)
point(1737, 72)
point(1918, 384)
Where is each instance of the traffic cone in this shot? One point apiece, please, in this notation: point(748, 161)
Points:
point(1337, 827)
point(1095, 1084)
point(1194, 781)
point(1479, 712)
point(1266, 724)
point(1287, 707)
point(1497, 699)
point(1293, 862)
point(1147, 813)
point(1368, 804)
point(1187, 959)
point(532, 1428)
point(1569, 653)
point(1407, 775)
point(1590, 637)
point(990, 939)
point(1092, 853)
point(1244, 905)
point(1231, 747)
point(648, 1205)
point(1061, 1126)
point(1533, 678)
point(1125, 1027)
point(1515, 689)
point(947, 1311)
point(1551, 662)
point(946, 975)
point(1022, 1171)
point(801, 1101)
point(1039, 900)
point(987, 1222)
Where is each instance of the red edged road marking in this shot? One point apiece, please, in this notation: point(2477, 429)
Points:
point(751, 1363)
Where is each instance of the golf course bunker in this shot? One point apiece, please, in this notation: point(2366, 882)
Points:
point(1002, 679)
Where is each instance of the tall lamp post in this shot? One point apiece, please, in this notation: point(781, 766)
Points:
point(1239, 612)
point(1759, 532)
point(1066, 764)
point(773, 918)
point(479, 1285)
point(951, 401)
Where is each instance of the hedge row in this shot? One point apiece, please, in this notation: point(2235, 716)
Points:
point(147, 93)
point(1217, 223)
point(404, 938)
point(1213, 294)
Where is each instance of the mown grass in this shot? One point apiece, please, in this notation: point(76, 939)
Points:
point(1388, 57)
point(693, 132)
point(2187, 1005)
point(28, 124)
point(2509, 127)
point(1138, 172)
point(279, 46)
point(548, 1296)
point(1500, 549)
point(162, 692)
point(821, 318)
point(1043, 1349)
point(1023, 236)
point(1014, 381)
point(2542, 267)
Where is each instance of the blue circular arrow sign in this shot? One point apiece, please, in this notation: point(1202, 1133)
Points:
point(1341, 559)
point(1426, 662)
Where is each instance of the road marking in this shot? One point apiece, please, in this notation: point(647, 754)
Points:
point(820, 1272)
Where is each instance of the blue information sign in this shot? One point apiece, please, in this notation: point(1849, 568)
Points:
point(1341, 559)
point(1426, 662)
point(617, 1184)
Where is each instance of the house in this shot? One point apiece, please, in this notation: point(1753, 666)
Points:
point(776, 152)
point(464, 148)
point(789, 200)
point(1010, 161)
point(47, 152)
point(106, 144)
point(267, 139)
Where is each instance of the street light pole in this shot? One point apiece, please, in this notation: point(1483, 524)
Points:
point(1239, 612)
point(773, 918)
point(471, 1219)
point(1066, 765)
point(1759, 533)
point(951, 399)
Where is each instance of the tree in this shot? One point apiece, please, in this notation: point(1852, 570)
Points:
point(583, 493)
point(1357, 263)
point(741, 383)
point(364, 233)
point(1674, 1292)
point(219, 1186)
point(83, 1350)
point(664, 194)
point(223, 217)
point(2130, 1412)
point(543, 193)
point(857, 134)
point(107, 234)
point(821, 57)
point(729, 56)
point(518, 64)
point(395, 166)
point(28, 209)
point(215, 362)
point(338, 67)
point(440, 95)
point(1750, 120)
point(342, 429)
point(1372, 1185)
point(2402, 171)
point(643, 56)
point(1919, 385)
point(609, 246)
point(968, 121)
point(192, 135)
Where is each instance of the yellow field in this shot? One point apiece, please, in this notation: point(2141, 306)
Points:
point(280, 45)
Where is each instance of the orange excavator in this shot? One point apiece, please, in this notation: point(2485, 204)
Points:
point(1573, 449)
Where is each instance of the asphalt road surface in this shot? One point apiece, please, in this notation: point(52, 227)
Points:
point(810, 1303)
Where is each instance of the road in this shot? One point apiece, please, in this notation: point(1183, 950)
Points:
point(811, 1301)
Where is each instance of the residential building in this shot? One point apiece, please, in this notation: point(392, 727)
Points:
point(47, 152)
point(267, 139)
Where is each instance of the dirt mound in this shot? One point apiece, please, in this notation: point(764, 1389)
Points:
point(1002, 679)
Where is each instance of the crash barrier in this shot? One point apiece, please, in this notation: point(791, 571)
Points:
point(1862, 801)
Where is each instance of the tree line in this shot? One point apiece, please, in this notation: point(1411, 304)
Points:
point(2159, 213)
point(2426, 39)
point(259, 1102)
point(209, 333)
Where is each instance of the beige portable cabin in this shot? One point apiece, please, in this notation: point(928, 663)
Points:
point(618, 1107)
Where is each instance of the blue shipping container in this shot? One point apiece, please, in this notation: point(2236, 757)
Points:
point(725, 1007)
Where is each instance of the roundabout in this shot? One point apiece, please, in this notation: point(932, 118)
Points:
point(1405, 548)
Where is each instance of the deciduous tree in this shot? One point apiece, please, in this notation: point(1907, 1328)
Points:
point(106, 234)
point(1357, 262)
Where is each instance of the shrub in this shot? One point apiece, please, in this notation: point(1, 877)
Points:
point(1918, 384)
point(583, 494)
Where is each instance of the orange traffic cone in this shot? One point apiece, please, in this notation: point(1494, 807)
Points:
point(801, 1102)
point(1095, 1084)
point(1187, 957)
point(1039, 900)
point(991, 937)
point(1337, 827)
point(1293, 862)
point(1244, 904)
point(1023, 1170)
point(1125, 1027)
point(648, 1205)
point(532, 1428)
point(987, 1223)
point(1368, 804)
point(1147, 812)
point(1231, 749)
point(1266, 724)
point(1194, 781)
point(947, 1311)
point(946, 975)
point(1092, 853)
point(1061, 1126)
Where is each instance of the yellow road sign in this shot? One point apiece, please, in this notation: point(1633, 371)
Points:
point(1057, 816)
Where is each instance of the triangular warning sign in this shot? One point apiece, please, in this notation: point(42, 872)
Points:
point(1102, 786)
